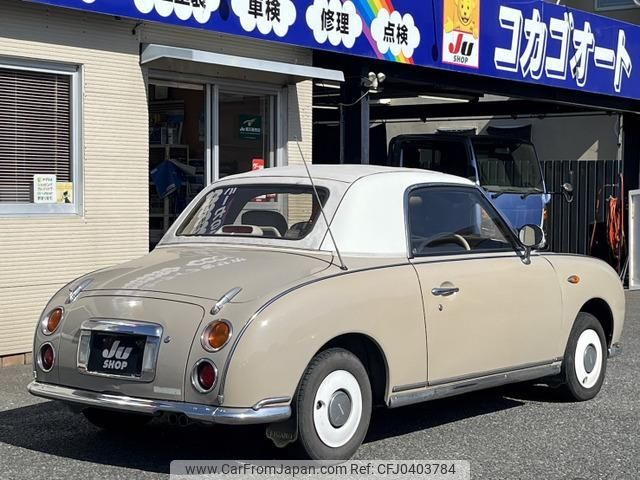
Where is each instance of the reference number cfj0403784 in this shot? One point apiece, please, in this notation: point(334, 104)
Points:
point(352, 470)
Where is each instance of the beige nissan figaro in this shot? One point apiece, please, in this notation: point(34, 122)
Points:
point(253, 311)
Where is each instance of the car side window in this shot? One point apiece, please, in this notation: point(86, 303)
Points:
point(450, 220)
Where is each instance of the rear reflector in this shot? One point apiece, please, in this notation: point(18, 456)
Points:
point(46, 357)
point(204, 376)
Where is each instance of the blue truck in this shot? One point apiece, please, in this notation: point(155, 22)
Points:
point(508, 169)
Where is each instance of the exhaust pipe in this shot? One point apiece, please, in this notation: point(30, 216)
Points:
point(179, 419)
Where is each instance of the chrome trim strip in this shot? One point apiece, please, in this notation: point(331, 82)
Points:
point(196, 412)
point(268, 402)
point(411, 386)
point(152, 331)
point(615, 350)
point(450, 389)
point(122, 326)
point(226, 298)
point(488, 373)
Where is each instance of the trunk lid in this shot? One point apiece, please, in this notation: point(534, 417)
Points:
point(178, 320)
point(210, 271)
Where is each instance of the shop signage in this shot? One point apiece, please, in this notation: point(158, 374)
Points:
point(522, 40)
point(250, 127)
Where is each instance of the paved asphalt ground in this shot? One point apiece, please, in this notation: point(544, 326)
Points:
point(516, 432)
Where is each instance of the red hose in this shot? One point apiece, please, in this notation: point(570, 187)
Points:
point(615, 224)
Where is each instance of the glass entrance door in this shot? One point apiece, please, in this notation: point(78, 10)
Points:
point(199, 133)
point(177, 151)
point(246, 132)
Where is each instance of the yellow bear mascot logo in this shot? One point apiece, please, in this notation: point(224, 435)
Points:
point(464, 19)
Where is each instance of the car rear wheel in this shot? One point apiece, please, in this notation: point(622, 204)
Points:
point(333, 405)
point(115, 421)
point(585, 359)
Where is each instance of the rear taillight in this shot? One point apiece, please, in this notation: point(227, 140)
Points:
point(204, 376)
point(52, 320)
point(216, 335)
point(46, 357)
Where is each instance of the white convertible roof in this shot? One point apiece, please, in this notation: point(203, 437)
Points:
point(351, 173)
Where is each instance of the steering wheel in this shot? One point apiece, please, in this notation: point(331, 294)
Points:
point(445, 238)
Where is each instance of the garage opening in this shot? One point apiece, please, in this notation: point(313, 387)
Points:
point(581, 145)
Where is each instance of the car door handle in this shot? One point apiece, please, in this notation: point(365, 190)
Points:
point(444, 292)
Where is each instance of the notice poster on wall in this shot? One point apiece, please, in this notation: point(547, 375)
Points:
point(44, 189)
point(64, 192)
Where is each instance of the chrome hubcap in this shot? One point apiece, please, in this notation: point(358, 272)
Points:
point(339, 408)
point(590, 358)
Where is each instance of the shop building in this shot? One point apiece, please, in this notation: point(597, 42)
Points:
point(100, 102)
point(114, 114)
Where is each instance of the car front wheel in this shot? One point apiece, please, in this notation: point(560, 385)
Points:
point(333, 405)
point(585, 359)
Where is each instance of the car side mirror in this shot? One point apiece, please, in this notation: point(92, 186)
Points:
point(567, 192)
point(531, 237)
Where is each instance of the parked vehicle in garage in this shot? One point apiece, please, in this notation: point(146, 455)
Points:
point(252, 311)
point(508, 169)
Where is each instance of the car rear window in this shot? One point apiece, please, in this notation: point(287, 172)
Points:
point(287, 212)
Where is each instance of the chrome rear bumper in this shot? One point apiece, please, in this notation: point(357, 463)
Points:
point(194, 411)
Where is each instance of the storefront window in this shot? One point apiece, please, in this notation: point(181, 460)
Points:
point(246, 132)
point(199, 133)
point(39, 166)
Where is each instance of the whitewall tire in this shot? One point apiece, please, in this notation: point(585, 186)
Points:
point(333, 405)
point(588, 358)
point(585, 358)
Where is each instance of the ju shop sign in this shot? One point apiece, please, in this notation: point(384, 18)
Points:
point(528, 41)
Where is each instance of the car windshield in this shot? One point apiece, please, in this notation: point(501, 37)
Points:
point(270, 211)
point(508, 167)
